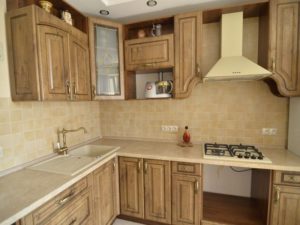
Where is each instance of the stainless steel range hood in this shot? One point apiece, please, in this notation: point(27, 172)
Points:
point(233, 65)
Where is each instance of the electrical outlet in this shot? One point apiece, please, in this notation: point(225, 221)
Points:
point(168, 128)
point(269, 131)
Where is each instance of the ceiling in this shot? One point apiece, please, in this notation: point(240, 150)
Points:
point(126, 11)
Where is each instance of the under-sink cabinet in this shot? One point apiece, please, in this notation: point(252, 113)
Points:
point(285, 205)
point(48, 58)
point(72, 206)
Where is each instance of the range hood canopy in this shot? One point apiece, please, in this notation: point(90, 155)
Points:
point(233, 65)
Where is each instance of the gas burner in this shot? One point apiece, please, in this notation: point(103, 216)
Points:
point(234, 152)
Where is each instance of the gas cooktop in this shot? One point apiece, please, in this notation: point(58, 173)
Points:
point(245, 153)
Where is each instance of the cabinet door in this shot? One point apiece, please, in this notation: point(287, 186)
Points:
point(22, 54)
point(157, 191)
point(285, 205)
point(106, 51)
point(54, 63)
point(150, 53)
point(131, 187)
point(187, 53)
point(186, 200)
point(80, 70)
point(285, 49)
point(105, 194)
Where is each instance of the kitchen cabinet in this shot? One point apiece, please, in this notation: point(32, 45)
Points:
point(284, 49)
point(105, 193)
point(145, 189)
point(131, 187)
point(107, 60)
point(48, 58)
point(186, 194)
point(188, 35)
point(72, 206)
point(149, 53)
point(157, 190)
point(285, 205)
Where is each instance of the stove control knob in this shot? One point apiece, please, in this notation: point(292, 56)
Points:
point(240, 156)
point(260, 157)
point(253, 157)
point(246, 156)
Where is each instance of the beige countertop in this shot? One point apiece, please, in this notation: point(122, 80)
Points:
point(23, 191)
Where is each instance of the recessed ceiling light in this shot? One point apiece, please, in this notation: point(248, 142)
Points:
point(151, 3)
point(104, 12)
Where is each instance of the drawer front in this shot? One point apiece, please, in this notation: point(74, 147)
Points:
point(78, 212)
point(289, 178)
point(59, 201)
point(186, 168)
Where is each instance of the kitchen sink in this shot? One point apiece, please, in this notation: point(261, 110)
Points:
point(94, 151)
point(66, 165)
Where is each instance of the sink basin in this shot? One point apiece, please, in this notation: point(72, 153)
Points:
point(94, 151)
point(66, 165)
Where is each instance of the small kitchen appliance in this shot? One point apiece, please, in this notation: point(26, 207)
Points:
point(159, 89)
point(245, 153)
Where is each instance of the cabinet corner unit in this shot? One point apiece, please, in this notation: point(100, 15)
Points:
point(48, 58)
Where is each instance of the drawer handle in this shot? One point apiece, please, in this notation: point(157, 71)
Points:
point(139, 165)
point(148, 64)
point(66, 199)
point(277, 193)
point(73, 221)
point(292, 178)
point(94, 91)
point(196, 187)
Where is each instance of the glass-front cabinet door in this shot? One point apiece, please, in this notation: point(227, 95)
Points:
point(107, 67)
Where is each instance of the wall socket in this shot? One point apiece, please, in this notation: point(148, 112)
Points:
point(269, 131)
point(168, 128)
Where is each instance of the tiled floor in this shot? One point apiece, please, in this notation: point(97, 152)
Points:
point(123, 222)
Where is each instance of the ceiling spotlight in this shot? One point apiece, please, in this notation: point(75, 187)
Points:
point(104, 12)
point(151, 3)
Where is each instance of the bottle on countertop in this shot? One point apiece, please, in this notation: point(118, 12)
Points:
point(186, 135)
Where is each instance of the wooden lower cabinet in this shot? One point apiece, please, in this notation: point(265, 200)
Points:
point(105, 202)
point(131, 187)
point(285, 205)
point(73, 206)
point(186, 200)
point(157, 190)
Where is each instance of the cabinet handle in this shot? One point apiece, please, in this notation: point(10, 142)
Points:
point(94, 91)
point(196, 187)
point(66, 199)
point(74, 91)
point(273, 65)
point(198, 70)
point(68, 87)
point(73, 221)
point(277, 193)
point(139, 165)
point(114, 166)
point(146, 167)
point(148, 64)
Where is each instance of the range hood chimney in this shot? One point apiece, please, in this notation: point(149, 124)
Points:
point(233, 65)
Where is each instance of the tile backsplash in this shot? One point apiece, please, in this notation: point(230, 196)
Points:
point(228, 112)
point(28, 129)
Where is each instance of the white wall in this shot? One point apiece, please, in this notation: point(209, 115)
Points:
point(220, 179)
point(294, 126)
point(4, 80)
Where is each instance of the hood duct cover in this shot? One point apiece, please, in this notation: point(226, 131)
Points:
point(232, 65)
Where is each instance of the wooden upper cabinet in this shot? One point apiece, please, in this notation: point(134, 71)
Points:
point(157, 190)
point(285, 205)
point(54, 63)
point(284, 58)
point(48, 58)
point(150, 53)
point(131, 187)
point(80, 70)
point(188, 31)
point(186, 200)
point(105, 193)
point(22, 54)
point(107, 60)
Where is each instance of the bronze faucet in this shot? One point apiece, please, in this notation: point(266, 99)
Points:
point(64, 149)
